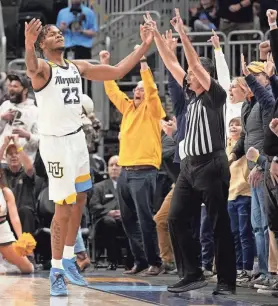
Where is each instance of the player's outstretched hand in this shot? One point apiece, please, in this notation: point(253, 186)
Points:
point(104, 57)
point(32, 31)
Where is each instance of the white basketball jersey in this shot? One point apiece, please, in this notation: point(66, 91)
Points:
point(59, 101)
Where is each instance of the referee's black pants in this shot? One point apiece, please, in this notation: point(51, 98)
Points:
point(202, 179)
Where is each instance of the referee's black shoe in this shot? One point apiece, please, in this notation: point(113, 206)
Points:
point(224, 289)
point(187, 284)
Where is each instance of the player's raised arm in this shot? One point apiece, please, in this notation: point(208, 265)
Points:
point(34, 65)
point(107, 72)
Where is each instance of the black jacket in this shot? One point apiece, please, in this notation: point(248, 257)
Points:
point(104, 199)
point(271, 140)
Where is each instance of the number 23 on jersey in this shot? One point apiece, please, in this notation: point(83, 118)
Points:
point(71, 95)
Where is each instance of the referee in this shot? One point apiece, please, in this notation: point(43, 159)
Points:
point(204, 175)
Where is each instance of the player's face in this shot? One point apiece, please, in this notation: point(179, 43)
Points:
point(192, 81)
point(53, 40)
point(139, 94)
point(114, 169)
point(13, 157)
point(16, 92)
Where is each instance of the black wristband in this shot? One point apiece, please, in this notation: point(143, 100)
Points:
point(143, 60)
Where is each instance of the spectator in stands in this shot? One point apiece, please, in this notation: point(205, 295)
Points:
point(255, 119)
point(239, 207)
point(20, 178)
point(8, 210)
point(204, 17)
point(140, 157)
point(235, 15)
point(105, 211)
point(79, 26)
point(19, 115)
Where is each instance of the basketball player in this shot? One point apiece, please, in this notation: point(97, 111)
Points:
point(58, 88)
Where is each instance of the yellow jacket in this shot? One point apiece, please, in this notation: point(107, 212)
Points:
point(140, 141)
point(239, 175)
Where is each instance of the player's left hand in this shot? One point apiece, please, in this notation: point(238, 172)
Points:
point(22, 133)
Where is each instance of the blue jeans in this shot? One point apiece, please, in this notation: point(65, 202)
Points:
point(79, 243)
point(207, 240)
point(260, 226)
point(136, 190)
point(240, 215)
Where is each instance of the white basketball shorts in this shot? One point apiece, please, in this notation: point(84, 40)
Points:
point(67, 164)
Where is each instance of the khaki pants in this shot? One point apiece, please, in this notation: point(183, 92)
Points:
point(161, 220)
point(273, 254)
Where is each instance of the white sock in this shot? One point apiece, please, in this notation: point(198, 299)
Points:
point(68, 252)
point(57, 263)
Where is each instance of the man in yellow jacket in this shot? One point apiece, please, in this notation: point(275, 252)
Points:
point(140, 158)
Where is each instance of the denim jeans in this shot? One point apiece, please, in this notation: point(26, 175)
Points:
point(206, 239)
point(240, 215)
point(260, 226)
point(79, 243)
point(136, 191)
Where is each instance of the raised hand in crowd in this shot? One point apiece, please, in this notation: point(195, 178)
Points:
point(244, 68)
point(269, 66)
point(146, 34)
point(252, 154)
point(150, 24)
point(22, 133)
point(272, 19)
point(169, 127)
point(9, 115)
point(104, 57)
point(215, 41)
point(264, 48)
point(274, 126)
point(170, 41)
point(177, 22)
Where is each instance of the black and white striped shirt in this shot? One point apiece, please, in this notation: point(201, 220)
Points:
point(205, 124)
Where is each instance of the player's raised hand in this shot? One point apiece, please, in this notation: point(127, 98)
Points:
point(150, 24)
point(169, 40)
point(271, 16)
point(244, 68)
point(32, 31)
point(177, 22)
point(215, 40)
point(104, 57)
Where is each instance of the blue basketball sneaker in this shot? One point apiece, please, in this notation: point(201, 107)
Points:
point(72, 272)
point(58, 285)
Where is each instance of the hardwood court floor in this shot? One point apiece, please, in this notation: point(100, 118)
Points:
point(111, 288)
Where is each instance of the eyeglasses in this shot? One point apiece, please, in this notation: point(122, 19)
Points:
point(141, 89)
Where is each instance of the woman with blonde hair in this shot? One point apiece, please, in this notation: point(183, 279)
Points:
point(7, 248)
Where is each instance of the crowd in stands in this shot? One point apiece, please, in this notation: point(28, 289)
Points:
point(120, 208)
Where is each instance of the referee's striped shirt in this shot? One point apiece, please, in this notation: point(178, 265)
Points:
point(205, 124)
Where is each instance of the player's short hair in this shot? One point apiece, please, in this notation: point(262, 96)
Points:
point(208, 64)
point(42, 36)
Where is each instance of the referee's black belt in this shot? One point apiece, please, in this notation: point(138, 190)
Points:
point(206, 157)
point(75, 132)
